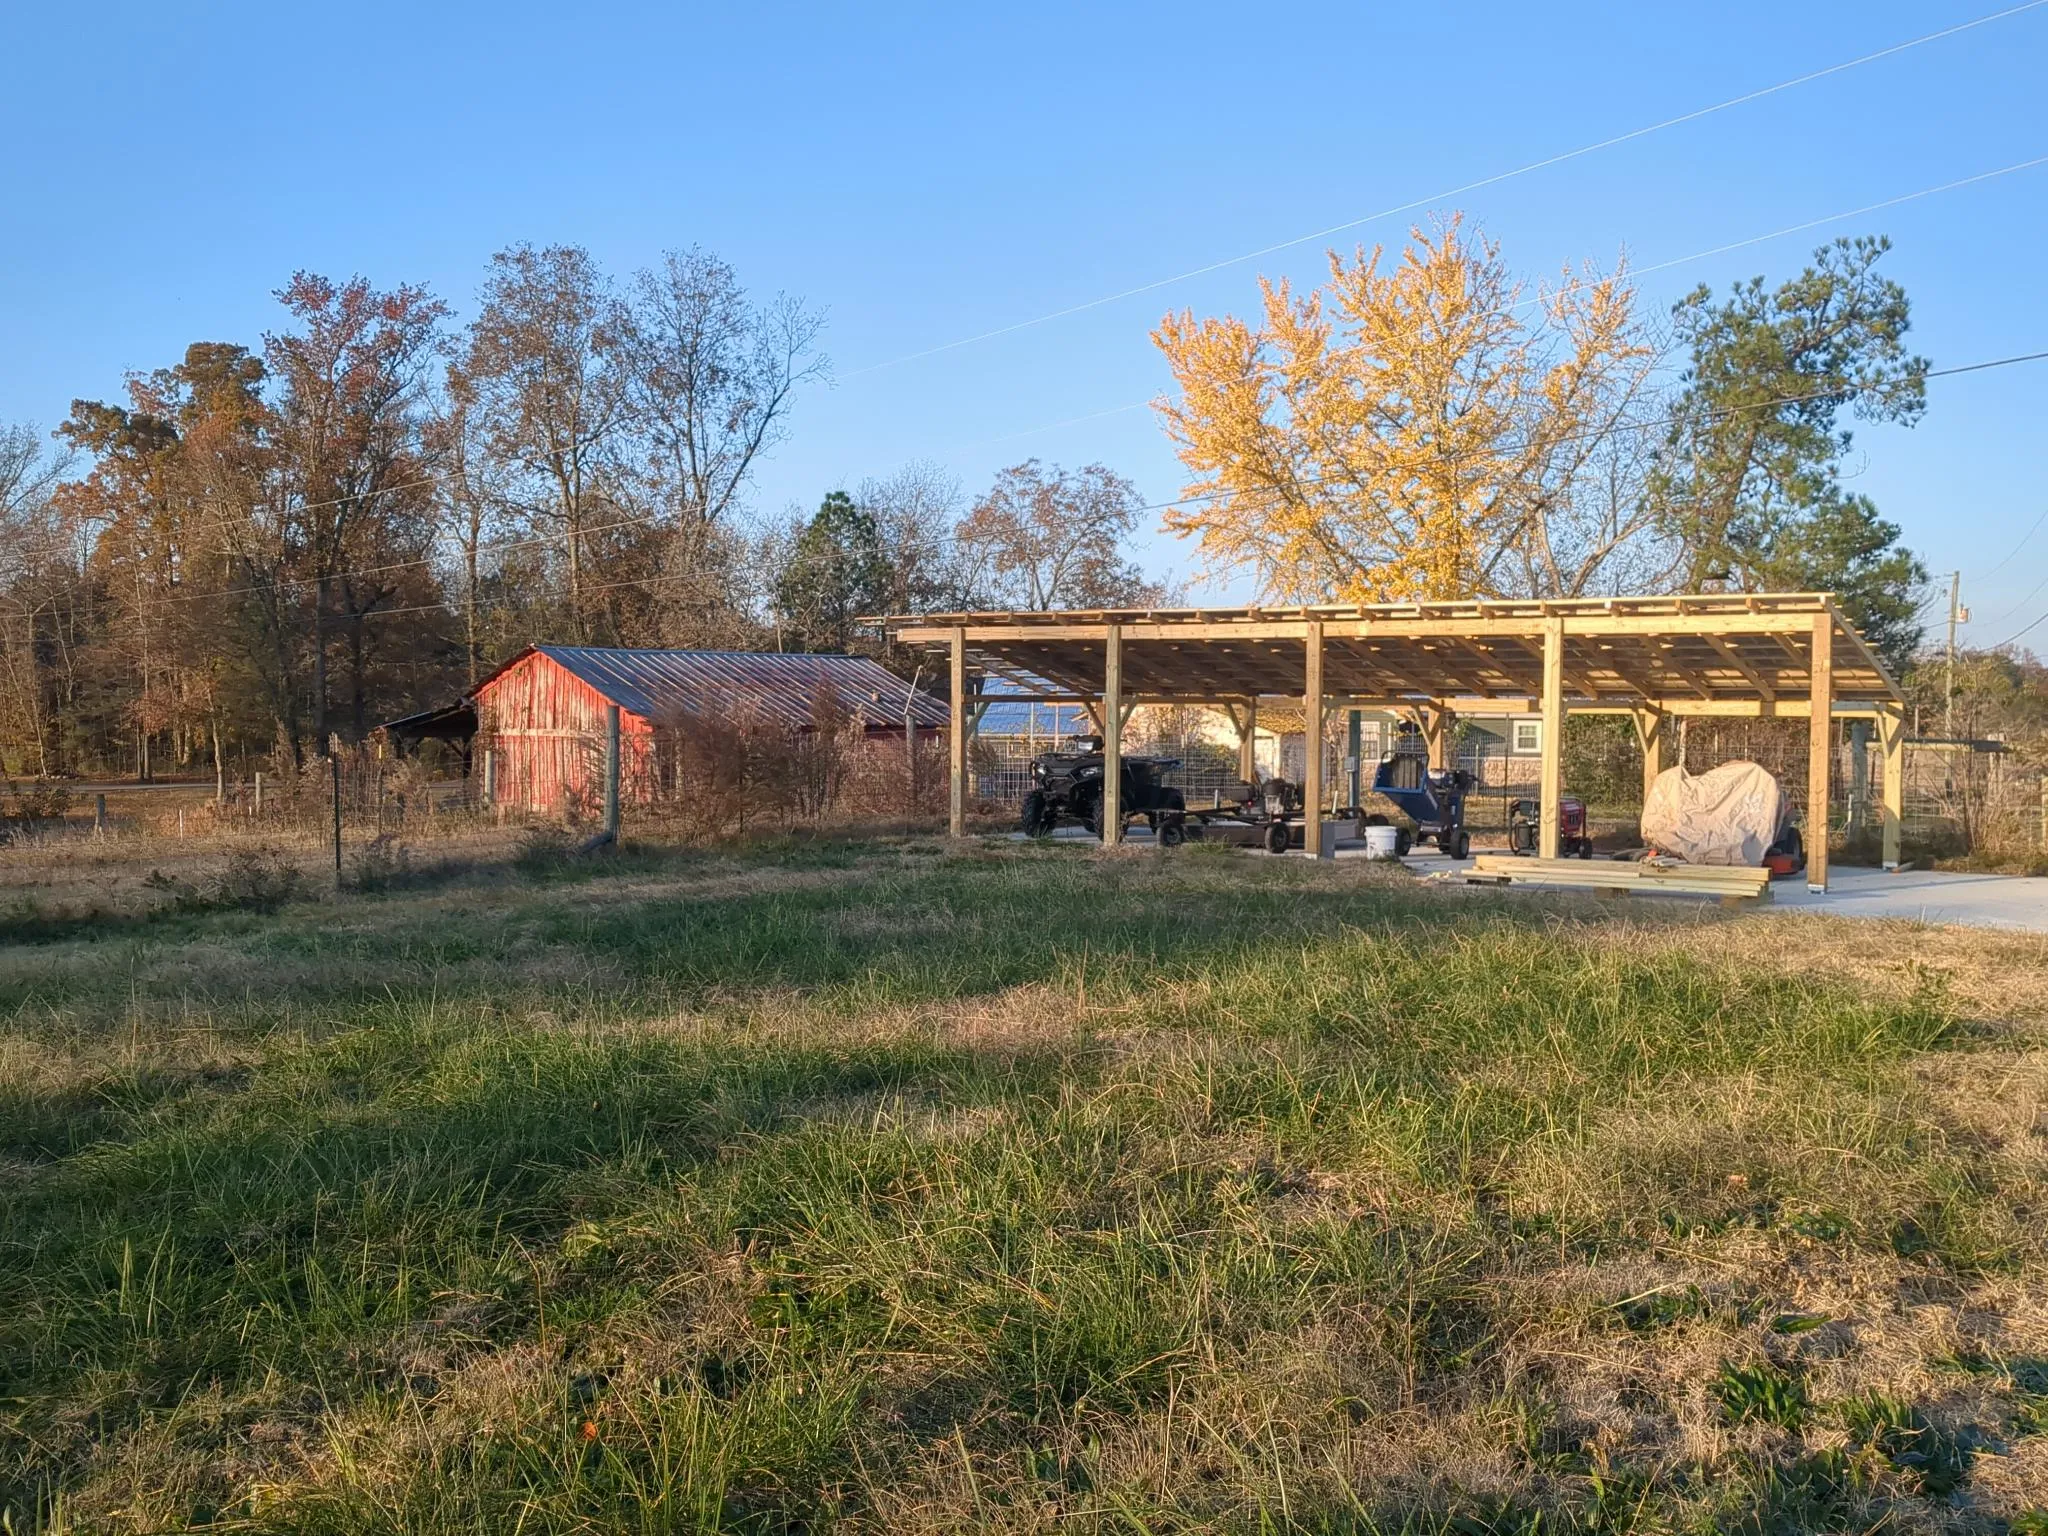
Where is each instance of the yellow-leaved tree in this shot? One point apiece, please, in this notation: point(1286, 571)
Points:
point(1433, 431)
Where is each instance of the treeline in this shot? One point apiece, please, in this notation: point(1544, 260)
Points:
point(259, 547)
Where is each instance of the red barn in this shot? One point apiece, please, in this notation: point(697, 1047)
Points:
point(542, 714)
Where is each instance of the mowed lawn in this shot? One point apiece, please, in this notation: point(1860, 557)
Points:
point(882, 1187)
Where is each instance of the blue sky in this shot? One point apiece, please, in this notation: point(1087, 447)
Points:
point(930, 174)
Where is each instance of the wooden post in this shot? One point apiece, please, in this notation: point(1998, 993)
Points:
point(1820, 739)
point(1248, 744)
point(99, 815)
point(1859, 780)
point(1354, 745)
point(1113, 737)
point(258, 803)
point(1891, 738)
point(334, 778)
point(611, 773)
point(956, 740)
point(1312, 841)
point(490, 776)
point(1552, 789)
point(1436, 735)
point(1650, 737)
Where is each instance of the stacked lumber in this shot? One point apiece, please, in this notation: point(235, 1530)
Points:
point(1632, 878)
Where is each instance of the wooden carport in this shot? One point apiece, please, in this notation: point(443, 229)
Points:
point(1655, 659)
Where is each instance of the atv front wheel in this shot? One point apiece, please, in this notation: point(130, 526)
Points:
point(1036, 821)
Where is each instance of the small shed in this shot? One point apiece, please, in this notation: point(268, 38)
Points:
point(541, 716)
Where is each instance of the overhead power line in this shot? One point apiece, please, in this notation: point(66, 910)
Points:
point(1645, 424)
point(1658, 266)
point(2043, 518)
point(1450, 192)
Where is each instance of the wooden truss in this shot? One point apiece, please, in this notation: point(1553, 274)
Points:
point(1788, 655)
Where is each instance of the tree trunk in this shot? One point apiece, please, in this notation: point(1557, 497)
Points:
point(319, 663)
point(358, 704)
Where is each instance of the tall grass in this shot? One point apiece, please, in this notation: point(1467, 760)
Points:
point(880, 1188)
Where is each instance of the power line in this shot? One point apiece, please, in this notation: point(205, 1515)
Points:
point(1635, 272)
point(1459, 191)
point(2009, 639)
point(1646, 424)
point(2043, 518)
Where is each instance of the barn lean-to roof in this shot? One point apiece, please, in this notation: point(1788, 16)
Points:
point(657, 684)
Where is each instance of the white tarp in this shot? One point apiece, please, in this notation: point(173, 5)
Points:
point(1727, 815)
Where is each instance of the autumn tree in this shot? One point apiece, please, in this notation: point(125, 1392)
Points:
point(1425, 431)
point(1749, 475)
point(547, 364)
point(1046, 538)
point(41, 595)
point(354, 376)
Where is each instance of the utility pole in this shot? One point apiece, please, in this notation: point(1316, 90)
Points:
point(1957, 613)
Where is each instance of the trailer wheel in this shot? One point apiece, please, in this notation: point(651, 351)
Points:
point(1172, 834)
point(1403, 841)
point(1276, 837)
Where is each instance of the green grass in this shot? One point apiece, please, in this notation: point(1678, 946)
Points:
point(832, 1186)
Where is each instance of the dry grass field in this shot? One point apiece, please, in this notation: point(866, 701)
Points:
point(880, 1186)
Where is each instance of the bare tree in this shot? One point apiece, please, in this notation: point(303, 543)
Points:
point(1045, 538)
point(712, 379)
point(547, 361)
point(915, 511)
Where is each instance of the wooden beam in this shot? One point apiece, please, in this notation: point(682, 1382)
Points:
point(1891, 737)
point(956, 796)
point(1312, 842)
point(1112, 736)
point(1820, 741)
point(1577, 626)
point(1764, 687)
point(1553, 738)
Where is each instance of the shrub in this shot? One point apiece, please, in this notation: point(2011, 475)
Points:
point(259, 879)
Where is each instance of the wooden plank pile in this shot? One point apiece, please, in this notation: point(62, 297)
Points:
point(1652, 876)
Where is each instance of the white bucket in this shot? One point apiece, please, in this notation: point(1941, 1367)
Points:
point(1382, 842)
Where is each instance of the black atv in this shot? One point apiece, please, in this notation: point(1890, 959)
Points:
point(1067, 790)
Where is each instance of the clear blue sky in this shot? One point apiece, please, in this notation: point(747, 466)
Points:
point(930, 174)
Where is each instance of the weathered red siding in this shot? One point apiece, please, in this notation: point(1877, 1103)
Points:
point(546, 727)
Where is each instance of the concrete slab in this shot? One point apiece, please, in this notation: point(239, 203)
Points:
point(1920, 896)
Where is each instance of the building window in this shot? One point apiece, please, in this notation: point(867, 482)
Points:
point(1528, 737)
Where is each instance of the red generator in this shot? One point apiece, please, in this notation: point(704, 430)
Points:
point(1525, 827)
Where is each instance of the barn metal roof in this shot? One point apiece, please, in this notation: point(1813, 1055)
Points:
point(654, 684)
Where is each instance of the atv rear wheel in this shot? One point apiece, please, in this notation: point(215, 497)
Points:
point(1172, 833)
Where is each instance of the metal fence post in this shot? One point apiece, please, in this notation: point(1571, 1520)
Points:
point(611, 773)
point(334, 774)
